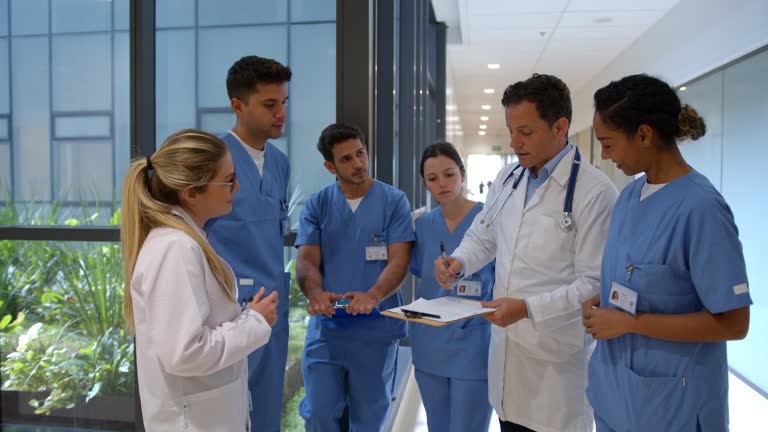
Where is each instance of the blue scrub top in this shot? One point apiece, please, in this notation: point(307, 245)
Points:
point(687, 257)
point(250, 237)
point(327, 220)
point(458, 350)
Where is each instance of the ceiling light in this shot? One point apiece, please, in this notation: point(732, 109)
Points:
point(459, 133)
point(683, 88)
point(481, 132)
point(488, 91)
point(483, 126)
point(493, 66)
point(485, 107)
point(484, 118)
point(450, 107)
point(453, 118)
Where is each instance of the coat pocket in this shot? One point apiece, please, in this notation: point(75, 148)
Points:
point(222, 409)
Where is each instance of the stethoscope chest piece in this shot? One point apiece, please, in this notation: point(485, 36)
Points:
point(566, 223)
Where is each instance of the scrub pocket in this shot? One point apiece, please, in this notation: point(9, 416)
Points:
point(628, 401)
point(221, 409)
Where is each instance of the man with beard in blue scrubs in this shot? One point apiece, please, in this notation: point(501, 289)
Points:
point(354, 242)
point(250, 238)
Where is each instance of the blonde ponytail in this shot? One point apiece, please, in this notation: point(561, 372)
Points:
point(188, 158)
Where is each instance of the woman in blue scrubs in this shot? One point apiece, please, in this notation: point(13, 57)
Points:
point(451, 363)
point(673, 283)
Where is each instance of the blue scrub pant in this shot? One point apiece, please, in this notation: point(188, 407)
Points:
point(454, 405)
point(341, 373)
point(266, 375)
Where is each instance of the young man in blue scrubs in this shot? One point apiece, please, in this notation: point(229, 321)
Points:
point(354, 242)
point(250, 238)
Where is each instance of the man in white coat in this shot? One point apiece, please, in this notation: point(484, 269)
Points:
point(548, 246)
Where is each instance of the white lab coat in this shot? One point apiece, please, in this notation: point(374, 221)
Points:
point(191, 340)
point(538, 368)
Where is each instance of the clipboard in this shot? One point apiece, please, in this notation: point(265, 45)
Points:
point(461, 309)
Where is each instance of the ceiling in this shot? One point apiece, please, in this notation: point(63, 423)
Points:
point(572, 39)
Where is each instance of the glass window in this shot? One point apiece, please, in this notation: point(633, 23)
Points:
point(5, 99)
point(58, 349)
point(122, 109)
point(30, 108)
point(121, 9)
point(232, 12)
point(221, 47)
point(5, 172)
point(82, 72)
point(83, 171)
point(81, 16)
point(95, 126)
point(175, 13)
point(745, 112)
point(29, 17)
point(4, 129)
point(313, 61)
point(57, 94)
point(3, 17)
point(313, 10)
point(175, 81)
point(217, 122)
point(705, 154)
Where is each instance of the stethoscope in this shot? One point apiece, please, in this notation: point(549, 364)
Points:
point(566, 222)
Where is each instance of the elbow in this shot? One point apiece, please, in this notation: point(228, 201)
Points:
point(740, 332)
point(740, 324)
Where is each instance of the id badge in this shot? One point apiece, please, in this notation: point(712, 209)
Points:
point(623, 298)
point(285, 226)
point(469, 287)
point(376, 250)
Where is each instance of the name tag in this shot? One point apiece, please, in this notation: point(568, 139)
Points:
point(285, 227)
point(469, 288)
point(623, 298)
point(376, 252)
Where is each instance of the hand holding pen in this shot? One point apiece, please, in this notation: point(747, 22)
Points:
point(446, 269)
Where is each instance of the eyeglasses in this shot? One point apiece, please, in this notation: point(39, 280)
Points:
point(231, 184)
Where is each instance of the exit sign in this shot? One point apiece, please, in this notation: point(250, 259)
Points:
point(496, 148)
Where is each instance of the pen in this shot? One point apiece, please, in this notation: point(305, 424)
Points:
point(442, 253)
point(414, 314)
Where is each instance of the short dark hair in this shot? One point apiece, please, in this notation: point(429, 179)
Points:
point(548, 92)
point(337, 133)
point(249, 71)
point(441, 149)
point(642, 99)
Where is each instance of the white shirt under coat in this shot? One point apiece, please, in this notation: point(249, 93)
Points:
point(538, 367)
point(192, 341)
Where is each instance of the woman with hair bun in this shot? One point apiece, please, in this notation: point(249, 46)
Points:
point(673, 282)
point(192, 337)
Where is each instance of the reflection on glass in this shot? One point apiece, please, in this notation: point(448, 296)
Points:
point(64, 105)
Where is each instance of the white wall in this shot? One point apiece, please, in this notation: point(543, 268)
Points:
point(695, 37)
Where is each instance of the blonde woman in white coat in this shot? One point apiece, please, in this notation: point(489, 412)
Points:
point(192, 338)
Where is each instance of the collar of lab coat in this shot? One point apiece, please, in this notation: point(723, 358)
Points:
point(188, 219)
point(563, 170)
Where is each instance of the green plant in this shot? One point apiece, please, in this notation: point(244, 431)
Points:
point(91, 287)
point(66, 367)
